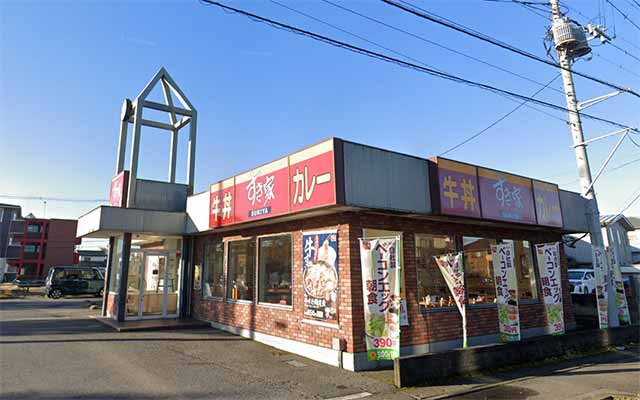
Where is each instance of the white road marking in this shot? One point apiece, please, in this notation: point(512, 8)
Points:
point(352, 396)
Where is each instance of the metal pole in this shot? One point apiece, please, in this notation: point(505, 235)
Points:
point(582, 160)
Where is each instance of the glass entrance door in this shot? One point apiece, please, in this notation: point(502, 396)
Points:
point(152, 289)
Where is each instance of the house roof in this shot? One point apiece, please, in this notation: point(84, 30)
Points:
point(6, 205)
point(610, 219)
point(635, 221)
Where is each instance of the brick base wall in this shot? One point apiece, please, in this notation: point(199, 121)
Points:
point(425, 326)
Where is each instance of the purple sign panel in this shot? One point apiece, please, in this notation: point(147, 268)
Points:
point(547, 203)
point(506, 197)
point(458, 186)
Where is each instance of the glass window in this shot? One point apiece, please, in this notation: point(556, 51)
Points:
point(275, 270)
point(241, 261)
point(31, 248)
point(479, 270)
point(116, 265)
point(33, 228)
point(213, 284)
point(28, 270)
point(88, 274)
point(525, 271)
point(432, 289)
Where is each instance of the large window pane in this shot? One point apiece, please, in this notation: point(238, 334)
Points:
point(213, 283)
point(242, 254)
point(525, 272)
point(116, 265)
point(275, 270)
point(479, 270)
point(432, 289)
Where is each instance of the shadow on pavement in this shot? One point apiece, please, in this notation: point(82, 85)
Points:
point(120, 396)
point(54, 326)
point(16, 305)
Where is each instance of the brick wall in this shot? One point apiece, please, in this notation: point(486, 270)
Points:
point(425, 326)
point(286, 323)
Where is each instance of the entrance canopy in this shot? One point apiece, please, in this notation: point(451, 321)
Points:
point(106, 221)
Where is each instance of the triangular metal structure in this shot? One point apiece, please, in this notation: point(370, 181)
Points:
point(179, 117)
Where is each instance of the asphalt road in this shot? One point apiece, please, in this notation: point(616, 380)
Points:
point(52, 349)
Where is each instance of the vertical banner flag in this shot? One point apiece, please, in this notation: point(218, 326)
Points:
point(452, 268)
point(622, 308)
point(320, 275)
point(381, 295)
point(548, 256)
point(602, 275)
point(504, 274)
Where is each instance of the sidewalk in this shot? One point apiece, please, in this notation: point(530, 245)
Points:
point(614, 373)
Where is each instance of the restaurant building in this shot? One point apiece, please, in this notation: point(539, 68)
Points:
point(273, 252)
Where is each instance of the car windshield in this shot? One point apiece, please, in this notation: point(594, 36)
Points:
point(576, 275)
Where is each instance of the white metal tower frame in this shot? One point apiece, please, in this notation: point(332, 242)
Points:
point(179, 117)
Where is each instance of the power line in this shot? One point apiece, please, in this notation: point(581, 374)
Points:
point(617, 167)
point(624, 51)
point(623, 14)
point(573, 171)
point(392, 60)
point(352, 34)
point(623, 68)
point(60, 199)
point(422, 38)
point(475, 135)
point(631, 43)
point(412, 9)
point(626, 207)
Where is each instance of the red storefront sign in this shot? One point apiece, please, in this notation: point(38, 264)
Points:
point(118, 190)
point(262, 192)
point(221, 203)
point(312, 177)
point(506, 197)
point(547, 202)
point(301, 181)
point(458, 186)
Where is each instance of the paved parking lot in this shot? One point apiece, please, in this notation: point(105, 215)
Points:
point(54, 350)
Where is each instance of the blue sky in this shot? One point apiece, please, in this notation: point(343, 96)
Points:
point(262, 92)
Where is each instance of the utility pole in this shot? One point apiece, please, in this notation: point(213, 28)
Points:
point(580, 148)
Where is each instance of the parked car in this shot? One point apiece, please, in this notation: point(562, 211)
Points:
point(74, 280)
point(582, 281)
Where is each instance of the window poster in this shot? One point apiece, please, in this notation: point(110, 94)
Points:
point(549, 268)
point(506, 291)
point(320, 275)
point(381, 295)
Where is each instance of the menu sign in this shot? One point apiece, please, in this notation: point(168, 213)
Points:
point(301, 181)
point(118, 190)
point(458, 186)
point(381, 295)
point(548, 256)
point(320, 275)
point(622, 308)
point(506, 197)
point(602, 294)
point(547, 201)
point(452, 268)
point(506, 292)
